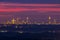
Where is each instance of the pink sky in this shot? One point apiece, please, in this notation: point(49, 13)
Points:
point(14, 7)
point(8, 10)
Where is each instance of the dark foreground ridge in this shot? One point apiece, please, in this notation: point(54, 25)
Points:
point(8, 36)
point(29, 32)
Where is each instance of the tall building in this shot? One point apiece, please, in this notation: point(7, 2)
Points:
point(49, 20)
point(54, 21)
point(13, 21)
point(8, 22)
point(17, 21)
point(27, 20)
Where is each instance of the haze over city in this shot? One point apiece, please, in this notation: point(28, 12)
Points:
point(34, 9)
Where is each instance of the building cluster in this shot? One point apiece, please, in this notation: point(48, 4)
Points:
point(17, 21)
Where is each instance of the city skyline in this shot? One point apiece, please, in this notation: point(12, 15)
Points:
point(29, 20)
point(37, 9)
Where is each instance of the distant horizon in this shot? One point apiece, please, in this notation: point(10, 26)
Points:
point(35, 9)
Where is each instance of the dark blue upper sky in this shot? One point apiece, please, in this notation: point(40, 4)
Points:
point(33, 1)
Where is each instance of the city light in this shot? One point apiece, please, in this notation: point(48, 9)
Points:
point(27, 21)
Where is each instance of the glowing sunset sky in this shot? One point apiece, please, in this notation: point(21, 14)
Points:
point(31, 8)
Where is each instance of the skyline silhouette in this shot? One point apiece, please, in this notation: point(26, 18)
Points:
point(35, 9)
